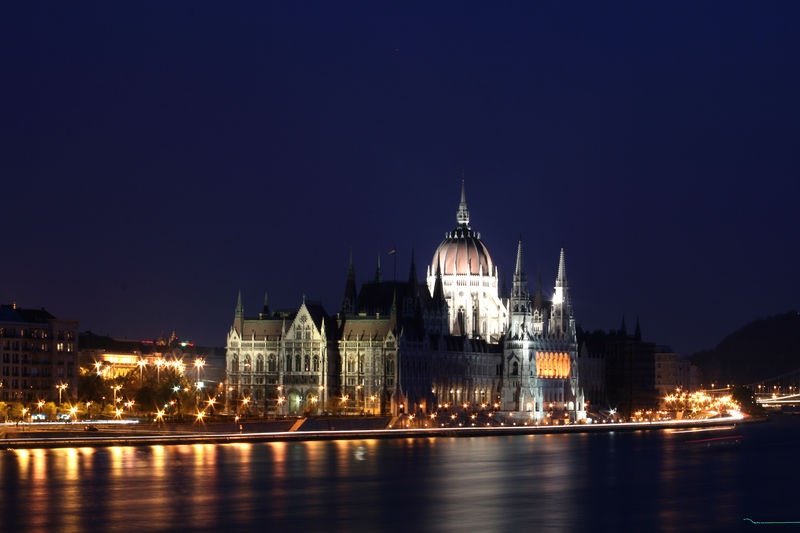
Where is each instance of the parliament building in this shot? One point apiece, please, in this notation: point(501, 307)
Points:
point(408, 347)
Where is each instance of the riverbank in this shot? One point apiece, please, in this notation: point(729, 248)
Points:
point(164, 437)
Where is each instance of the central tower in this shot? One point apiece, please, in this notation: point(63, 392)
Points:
point(469, 280)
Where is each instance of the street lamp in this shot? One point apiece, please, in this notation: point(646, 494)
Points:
point(199, 364)
point(115, 388)
point(142, 363)
point(99, 367)
point(60, 388)
point(159, 363)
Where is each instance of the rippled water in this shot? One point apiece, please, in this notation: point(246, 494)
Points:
point(643, 481)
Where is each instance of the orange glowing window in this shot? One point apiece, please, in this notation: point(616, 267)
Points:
point(552, 364)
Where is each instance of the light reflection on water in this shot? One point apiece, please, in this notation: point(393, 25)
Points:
point(625, 481)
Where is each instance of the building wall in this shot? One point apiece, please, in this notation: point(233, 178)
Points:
point(37, 356)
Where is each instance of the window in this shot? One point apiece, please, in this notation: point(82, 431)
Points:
point(235, 363)
point(390, 366)
point(316, 364)
point(297, 363)
point(260, 363)
point(350, 365)
point(515, 369)
point(288, 363)
point(307, 365)
point(361, 364)
point(271, 362)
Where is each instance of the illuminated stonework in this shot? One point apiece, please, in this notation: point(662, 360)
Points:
point(552, 365)
point(469, 280)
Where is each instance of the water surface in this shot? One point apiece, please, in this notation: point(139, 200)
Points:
point(642, 481)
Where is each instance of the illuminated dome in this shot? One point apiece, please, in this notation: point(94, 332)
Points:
point(462, 252)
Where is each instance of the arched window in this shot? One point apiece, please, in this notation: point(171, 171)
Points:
point(288, 363)
point(390, 366)
point(260, 363)
point(248, 367)
point(515, 369)
point(351, 365)
point(271, 362)
point(316, 364)
point(308, 332)
point(297, 363)
point(361, 363)
point(235, 364)
point(307, 365)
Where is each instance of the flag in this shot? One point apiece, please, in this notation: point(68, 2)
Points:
point(392, 251)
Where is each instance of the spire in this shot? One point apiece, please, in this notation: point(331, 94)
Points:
point(518, 271)
point(638, 334)
point(520, 299)
point(239, 312)
point(412, 275)
point(378, 270)
point(266, 304)
point(561, 279)
point(349, 300)
point(438, 288)
point(462, 216)
point(623, 328)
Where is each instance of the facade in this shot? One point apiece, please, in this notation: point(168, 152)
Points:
point(409, 347)
point(282, 362)
point(112, 358)
point(39, 355)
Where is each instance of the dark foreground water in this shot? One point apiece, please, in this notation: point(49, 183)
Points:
point(643, 481)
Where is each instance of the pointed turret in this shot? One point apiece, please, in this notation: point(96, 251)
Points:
point(349, 304)
point(462, 216)
point(239, 311)
point(561, 315)
point(638, 334)
point(519, 290)
point(623, 329)
point(520, 303)
point(412, 275)
point(266, 304)
point(238, 315)
point(561, 279)
point(378, 276)
point(438, 287)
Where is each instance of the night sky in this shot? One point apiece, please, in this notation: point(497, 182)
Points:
point(157, 158)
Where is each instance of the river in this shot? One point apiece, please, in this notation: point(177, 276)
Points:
point(638, 481)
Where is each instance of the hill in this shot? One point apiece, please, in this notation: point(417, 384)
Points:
point(762, 349)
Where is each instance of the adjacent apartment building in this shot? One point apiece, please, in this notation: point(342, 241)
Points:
point(38, 355)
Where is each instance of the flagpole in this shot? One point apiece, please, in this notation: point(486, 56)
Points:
point(395, 263)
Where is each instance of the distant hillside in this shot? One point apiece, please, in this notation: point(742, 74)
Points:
point(762, 349)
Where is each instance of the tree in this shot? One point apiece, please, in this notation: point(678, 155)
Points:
point(744, 396)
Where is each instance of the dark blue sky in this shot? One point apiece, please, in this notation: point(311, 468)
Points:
point(156, 158)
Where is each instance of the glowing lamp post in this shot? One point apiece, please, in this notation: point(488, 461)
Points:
point(142, 363)
point(61, 388)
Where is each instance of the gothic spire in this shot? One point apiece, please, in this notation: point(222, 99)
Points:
point(623, 328)
point(438, 287)
point(412, 275)
point(378, 276)
point(638, 334)
point(561, 279)
point(349, 300)
point(462, 216)
point(519, 271)
point(266, 304)
point(239, 312)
